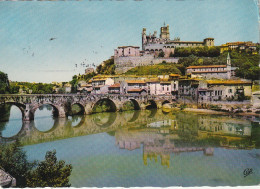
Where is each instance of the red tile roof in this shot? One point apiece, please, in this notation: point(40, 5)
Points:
point(135, 81)
point(209, 72)
point(208, 66)
point(135, 90)
point(116, 85)
point(228, 82)
point(174, 75)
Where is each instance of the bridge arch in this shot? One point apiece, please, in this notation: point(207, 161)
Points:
point(54, 127)
point(134, 104)
point(18, 105)
point(165, 102)
point(55, 112)
point(104, 119)
point(104, 105)
point(135, 116)
point(152, 105)
point(80, 120)
point(81, 107)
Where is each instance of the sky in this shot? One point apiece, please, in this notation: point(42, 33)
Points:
point(89, 31)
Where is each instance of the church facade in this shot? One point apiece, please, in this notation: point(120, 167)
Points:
point(211, 71)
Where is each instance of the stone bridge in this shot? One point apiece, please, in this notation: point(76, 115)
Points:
point(62, 103)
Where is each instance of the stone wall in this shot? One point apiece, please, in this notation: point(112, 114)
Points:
point(123, 64)
point(6, 180)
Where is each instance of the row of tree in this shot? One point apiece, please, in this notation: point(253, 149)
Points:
point(33, 88)
point(196, 51)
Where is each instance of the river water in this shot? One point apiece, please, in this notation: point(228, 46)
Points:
point(143, 148)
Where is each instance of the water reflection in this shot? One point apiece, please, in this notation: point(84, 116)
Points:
point(43, 115)
point(76, 120)
point(10, 120)
point(149, 144)
point(140, 127)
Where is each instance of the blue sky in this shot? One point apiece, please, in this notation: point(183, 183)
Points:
point(82, 27)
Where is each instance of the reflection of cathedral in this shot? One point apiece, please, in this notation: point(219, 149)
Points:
point(162, 138)
point(157, 139)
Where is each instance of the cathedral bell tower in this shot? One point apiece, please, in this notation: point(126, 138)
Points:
point(228, 66)
point(144, 39)
point(165, 33)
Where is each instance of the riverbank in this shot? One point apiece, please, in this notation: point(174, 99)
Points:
point(206, 111)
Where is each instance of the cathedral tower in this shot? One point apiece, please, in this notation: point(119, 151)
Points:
point(144, 40)
point(228, 66)
point(165, 33)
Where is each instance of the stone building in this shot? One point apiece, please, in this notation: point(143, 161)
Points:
point(158, 87)
point(211, 71)
point(133, 87)
point(248, 46)
point(89, 70)
point(84, 87)
point(114, 89)
point(174, 78)
point(216, 90)
point(100, 85)
point(127, 51)
point(188, 89)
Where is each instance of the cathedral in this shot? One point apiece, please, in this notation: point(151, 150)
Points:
point(154, 44)
point(154, 50)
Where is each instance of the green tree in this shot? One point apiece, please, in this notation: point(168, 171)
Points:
point(4, 83)
point(74, 83)
point(50, 173)
point(161, 54)
point(14, 161)
point(107, 67)
point(248, 71)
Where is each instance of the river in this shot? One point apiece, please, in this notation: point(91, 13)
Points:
point(143, 148)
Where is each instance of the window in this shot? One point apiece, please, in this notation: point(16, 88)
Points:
point(229, 90)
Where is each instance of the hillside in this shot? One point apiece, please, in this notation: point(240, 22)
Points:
point(158, 69)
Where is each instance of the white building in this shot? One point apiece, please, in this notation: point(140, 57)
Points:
point(211, 71)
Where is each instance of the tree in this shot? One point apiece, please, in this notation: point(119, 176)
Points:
point(161, 54)
point(74, 83)
point(108, 67)
point(50, 173)
point(248, 70)
point(14, 161)
point(4, 83)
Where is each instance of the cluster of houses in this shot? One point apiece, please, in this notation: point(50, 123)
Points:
point(201, 83)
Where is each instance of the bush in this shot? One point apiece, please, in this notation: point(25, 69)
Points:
point(183, 106)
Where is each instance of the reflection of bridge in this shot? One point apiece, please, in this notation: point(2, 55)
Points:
point(88, 124)
point(149, 127)
point(61, 104)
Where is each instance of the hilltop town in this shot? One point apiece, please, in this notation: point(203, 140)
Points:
point(195, 73)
